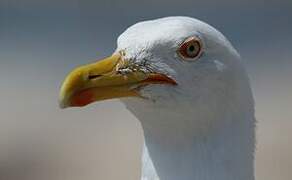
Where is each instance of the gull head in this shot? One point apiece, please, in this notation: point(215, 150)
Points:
point(167, 61)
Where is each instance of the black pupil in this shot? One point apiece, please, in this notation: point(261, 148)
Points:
point(191, 48)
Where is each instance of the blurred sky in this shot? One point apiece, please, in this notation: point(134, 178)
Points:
point(42, 40)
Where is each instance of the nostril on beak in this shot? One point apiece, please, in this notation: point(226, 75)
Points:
point(90, 77)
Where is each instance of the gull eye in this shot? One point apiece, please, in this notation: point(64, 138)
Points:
point(190, 49)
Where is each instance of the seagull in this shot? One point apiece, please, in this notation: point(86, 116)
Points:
point(188, 87)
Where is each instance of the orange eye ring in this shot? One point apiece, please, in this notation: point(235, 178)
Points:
point(190, 49)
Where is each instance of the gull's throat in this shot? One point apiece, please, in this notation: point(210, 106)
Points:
point(174, 152)
point(201, 142)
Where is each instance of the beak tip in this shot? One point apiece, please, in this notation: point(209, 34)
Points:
point(62, 104)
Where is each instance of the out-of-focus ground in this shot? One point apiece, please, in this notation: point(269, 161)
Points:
point(40, 41)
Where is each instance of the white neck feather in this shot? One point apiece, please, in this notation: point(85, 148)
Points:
point(225, 153)
point(209, 141)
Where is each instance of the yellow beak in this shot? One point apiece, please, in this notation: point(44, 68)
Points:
point(104, 80)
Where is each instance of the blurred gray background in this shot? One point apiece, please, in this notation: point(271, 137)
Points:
point(41, 41)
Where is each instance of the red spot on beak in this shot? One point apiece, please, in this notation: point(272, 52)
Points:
point(82, 98)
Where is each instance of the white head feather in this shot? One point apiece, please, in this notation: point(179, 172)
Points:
point(203, 128)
